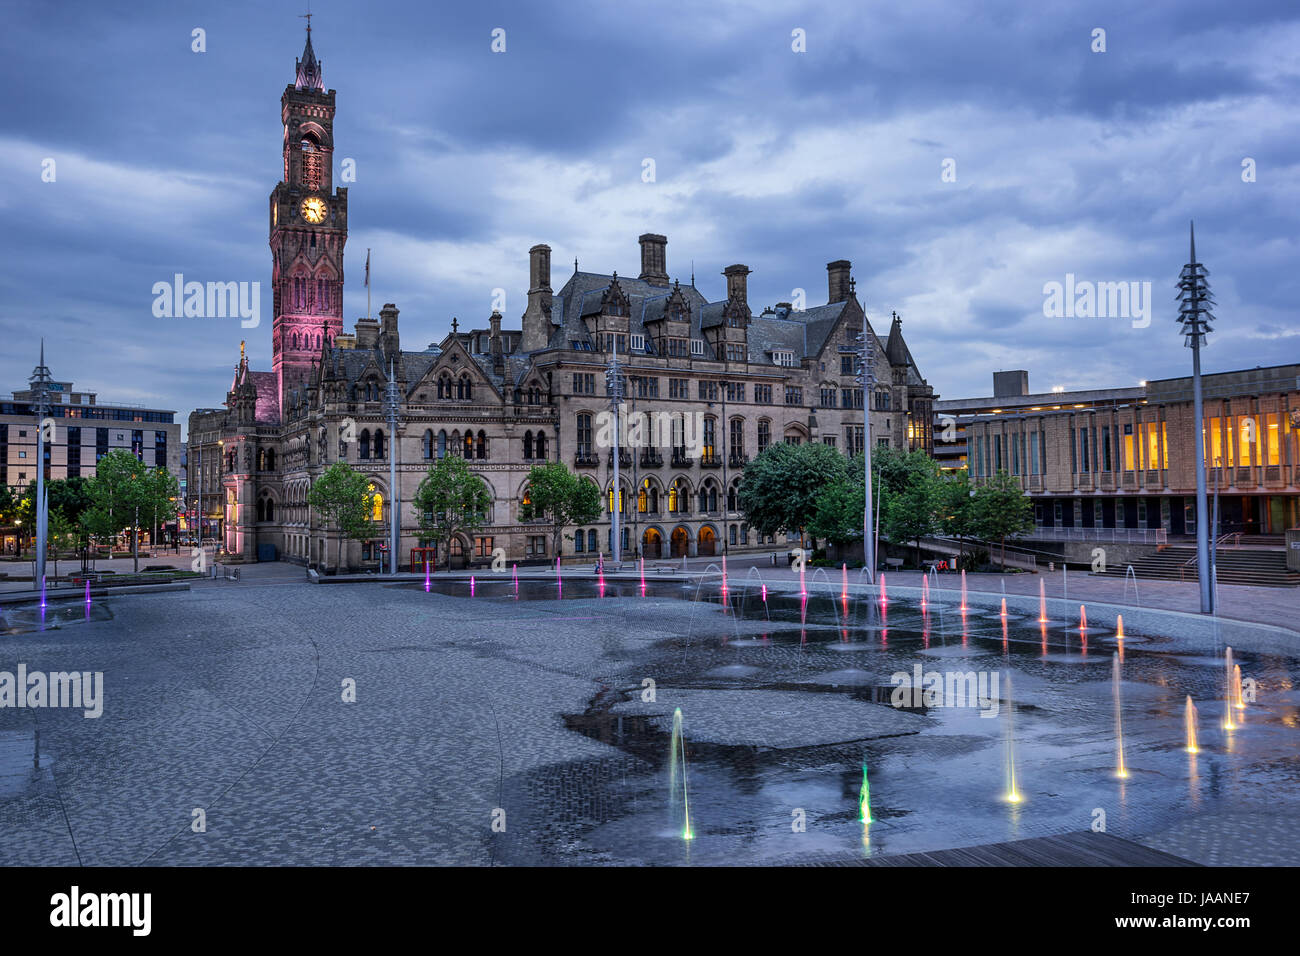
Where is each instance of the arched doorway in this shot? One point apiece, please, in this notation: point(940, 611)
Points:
point(680, 542)
point(708, 541)
point(652, 543)
point(460, 552)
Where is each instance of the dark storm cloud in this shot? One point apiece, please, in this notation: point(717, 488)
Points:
point(1067, 161)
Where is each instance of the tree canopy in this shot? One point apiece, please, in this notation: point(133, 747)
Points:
point(558, 498)
point(780, 488)
point(451, 499)
point(344, 498)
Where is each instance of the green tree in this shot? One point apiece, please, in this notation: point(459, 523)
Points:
point(957, 509)
point(908, 513)
point(837, 515)
point(451, 499)
point(124, 492)
point(344, 498)
point(1001, 510)
point(8, 507)
point(780, 488)
point(559, 498)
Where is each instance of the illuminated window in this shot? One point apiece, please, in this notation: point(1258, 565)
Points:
point(376, 505)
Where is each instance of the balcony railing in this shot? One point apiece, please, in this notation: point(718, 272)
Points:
point(681, 460)
point(1113, 535)
point(710, 461)
point(584, 460)
point(737, 460)
point(624, 458)
point(651, 459)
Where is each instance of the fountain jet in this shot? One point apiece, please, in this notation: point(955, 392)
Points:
point(1189, 723)
point(925, 593)
point(963, 591)
point(1013, 794)
point(1228, 723)
point(1042, 601)
point(1237, 700)
point(1121, 768)
point(864, 798)
point(1119, 633)
point(677, 775)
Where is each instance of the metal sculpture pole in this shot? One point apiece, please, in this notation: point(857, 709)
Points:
point(614, 387)
point(867, 378)
point(394, 503)
point(1194, 316)
point(40, 382)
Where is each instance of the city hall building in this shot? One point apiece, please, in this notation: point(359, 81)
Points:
point(1125, 458)
point(727, 379)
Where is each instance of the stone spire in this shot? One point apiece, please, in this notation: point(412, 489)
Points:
point(311, 74)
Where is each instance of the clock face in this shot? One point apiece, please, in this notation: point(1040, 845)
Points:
point(314, 209)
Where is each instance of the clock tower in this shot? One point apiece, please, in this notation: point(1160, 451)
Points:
point(309, 227)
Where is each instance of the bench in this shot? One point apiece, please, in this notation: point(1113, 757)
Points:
point(893, 563)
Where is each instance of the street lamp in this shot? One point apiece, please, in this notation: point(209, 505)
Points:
point(614, 387)
point(866, 377)
point(1194, 316)
point(394, 497)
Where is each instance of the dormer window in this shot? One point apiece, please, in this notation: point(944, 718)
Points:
point(638, 343)
point(783, 357)
point(697, 346)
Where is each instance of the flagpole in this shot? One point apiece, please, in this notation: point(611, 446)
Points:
point(367, 283)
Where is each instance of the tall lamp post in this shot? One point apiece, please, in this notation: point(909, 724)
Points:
point(614, 388)
point(395, 498)
point(1194, 316)
point(866, 377)
point(40, 382)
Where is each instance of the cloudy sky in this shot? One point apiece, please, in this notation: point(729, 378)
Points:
point(1060, 160)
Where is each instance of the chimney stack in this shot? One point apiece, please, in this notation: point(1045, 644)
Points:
point(494, 340)
point(537, 316)
point(737, 285)
point(654, 260)
point(838, 276)
point(389, 342)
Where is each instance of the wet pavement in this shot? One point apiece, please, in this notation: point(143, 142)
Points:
point(534, 728)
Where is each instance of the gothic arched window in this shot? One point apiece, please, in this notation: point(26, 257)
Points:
point(379, 443)
point(363, 444)
point(481, 449)
point(427, 444)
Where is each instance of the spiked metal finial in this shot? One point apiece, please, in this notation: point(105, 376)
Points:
point(1195, 299)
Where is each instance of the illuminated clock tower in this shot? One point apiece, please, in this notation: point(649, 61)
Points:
point(309, 227)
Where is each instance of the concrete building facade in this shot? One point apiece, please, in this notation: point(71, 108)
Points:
point(1125, 458)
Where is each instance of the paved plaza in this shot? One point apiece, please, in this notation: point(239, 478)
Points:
point(490, 729)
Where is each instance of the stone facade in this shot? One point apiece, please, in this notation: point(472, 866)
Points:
point(708, 384)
